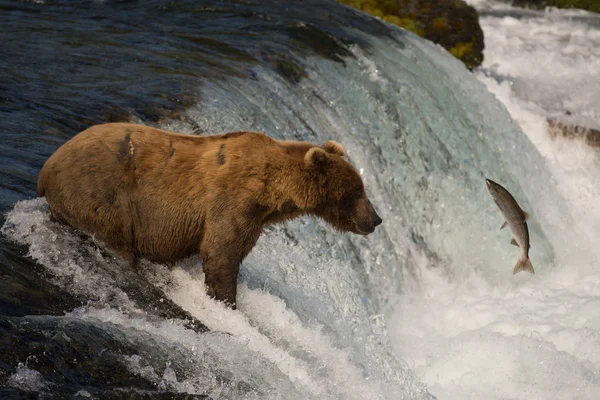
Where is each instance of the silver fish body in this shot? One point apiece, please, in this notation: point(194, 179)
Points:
point(516, 218)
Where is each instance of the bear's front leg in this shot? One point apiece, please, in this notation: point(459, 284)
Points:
point(222, 257)
point(220, 277)
point(222, 252)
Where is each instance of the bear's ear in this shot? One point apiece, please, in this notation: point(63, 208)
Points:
point(333, 147)
point(316, 157)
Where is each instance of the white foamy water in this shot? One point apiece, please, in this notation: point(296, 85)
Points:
point(27, 379)
point(524, 337)
point(263, 349)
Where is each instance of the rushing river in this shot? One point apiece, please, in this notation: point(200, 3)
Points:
point(426, 304)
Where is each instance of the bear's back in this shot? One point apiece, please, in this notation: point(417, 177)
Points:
point(142, 187)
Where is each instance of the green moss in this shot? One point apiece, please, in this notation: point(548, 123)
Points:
point(464, 52)
point(439, 21)
point(411, 25)
point(461, 50)
point(376, 12)
point(388, 10)
point(439, 24)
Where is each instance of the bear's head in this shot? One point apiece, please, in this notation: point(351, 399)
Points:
point(339, 196)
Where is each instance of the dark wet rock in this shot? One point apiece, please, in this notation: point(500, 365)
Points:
point(451, 23)
point(149, 297)
point(291, 71)
point(69, 356)
point(319, 41)
point(132, 282)
point(24, 288)
point(168, 107)
point(115, 113)
point(112, 394)
point(589, 5)
point(558, 128)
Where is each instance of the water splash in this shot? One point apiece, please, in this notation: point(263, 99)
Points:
point(523, 337)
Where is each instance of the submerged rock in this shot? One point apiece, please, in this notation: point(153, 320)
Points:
point(451, 23)
point(67, 358)
point(82, 271)
point(24, 289)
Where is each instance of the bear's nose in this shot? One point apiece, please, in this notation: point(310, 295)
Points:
point(378, 220)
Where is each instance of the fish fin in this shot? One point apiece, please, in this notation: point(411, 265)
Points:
point(504, 225)
point(526, 215)
point(524, 265)
point(513, 241)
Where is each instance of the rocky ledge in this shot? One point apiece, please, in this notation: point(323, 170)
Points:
point(452, 23)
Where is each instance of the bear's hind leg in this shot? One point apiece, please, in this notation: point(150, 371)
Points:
point(129, 256)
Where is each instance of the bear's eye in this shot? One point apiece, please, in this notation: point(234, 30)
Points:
point(349, 199)
point(358, 191)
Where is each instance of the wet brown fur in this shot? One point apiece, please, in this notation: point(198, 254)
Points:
point(164, 196)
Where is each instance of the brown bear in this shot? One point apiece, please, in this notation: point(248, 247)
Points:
point(163, 196)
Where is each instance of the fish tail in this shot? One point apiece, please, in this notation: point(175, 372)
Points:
point(524, 265)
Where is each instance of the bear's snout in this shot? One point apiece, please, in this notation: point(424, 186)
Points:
point(370, 220)
point(378, 219)
point(374, 222)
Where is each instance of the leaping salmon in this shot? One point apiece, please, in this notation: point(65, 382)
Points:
point(516, 218)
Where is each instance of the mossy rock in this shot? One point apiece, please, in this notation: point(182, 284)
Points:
point(451, 23)
point(589, 5)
